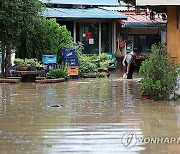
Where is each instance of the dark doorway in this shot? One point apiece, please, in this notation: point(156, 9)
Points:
point(68, 24)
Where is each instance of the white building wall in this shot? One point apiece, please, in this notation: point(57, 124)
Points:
point(157, 2)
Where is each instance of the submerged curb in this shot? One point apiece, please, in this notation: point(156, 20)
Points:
point(10, 80)
point(42, 81)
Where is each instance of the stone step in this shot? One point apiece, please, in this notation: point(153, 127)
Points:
point(10, 80)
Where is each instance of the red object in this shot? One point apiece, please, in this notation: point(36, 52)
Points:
point(146, 96)
point(88, 35)
point(122, 43)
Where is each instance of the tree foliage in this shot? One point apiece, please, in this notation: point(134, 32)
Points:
point(17, 19)
point(54, 37)
point(48, 38)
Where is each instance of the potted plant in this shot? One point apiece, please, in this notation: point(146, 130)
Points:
point(146, 88)
point(39, 66)
point(159, 74)
point(104, 65)
point(21, 64)
point(102, 75)
point(27, 64)
point(57, 73)
point(87, 68)
point(31, 63)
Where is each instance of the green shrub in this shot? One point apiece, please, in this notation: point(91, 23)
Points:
point(91, 63)
point(87, 67)
point(27, 62)
point(103, 61)
point(104, 64)
point(20, 62)
point(103, 57)
point(48, 38)
point(159, 74)
point(78, 48)
point(101, 75)
point(57, 73)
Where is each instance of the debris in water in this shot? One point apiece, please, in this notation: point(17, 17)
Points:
point(57, 106)
point(49, 145)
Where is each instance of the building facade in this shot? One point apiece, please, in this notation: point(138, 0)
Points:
point(139, 30)
point(88, 23)
point(173, 24)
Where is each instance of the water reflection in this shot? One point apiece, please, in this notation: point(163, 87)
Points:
point(92, 118)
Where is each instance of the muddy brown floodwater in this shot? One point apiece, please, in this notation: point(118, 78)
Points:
point(91, 116)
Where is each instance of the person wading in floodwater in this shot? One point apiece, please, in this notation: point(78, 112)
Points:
point(128, 62)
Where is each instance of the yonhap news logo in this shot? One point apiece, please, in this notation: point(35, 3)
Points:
point(130, 139)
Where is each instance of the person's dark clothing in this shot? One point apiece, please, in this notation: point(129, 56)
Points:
point(129, 59)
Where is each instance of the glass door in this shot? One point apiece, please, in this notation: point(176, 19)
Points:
point(88, 34)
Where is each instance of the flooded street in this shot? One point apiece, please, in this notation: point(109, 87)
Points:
point(91, 116)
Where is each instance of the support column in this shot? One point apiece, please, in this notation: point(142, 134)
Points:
point(114, 37)
point(74, 31)
point(100, 48)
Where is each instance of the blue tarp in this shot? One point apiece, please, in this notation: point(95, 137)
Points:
point(89, 13)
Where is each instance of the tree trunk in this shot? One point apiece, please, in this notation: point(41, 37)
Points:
point(3, 64)
point(7, 62)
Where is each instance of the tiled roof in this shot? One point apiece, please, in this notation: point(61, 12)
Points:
point(143, 21)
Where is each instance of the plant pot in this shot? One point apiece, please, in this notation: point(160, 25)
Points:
point(32, 68)
point(89, 76)
point(22, 68)
point(40, 68)
point(105, 71)
point(146, 96)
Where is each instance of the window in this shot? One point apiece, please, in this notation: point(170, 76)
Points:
point(144, 42)
point(106, 37)
point(88, 34)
